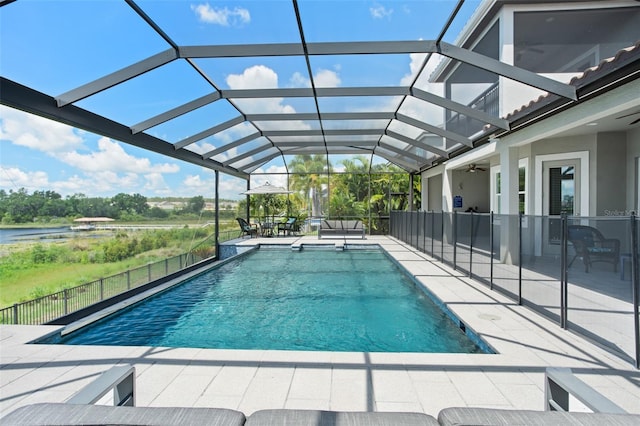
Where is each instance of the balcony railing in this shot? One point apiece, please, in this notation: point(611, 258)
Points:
point(583, 280)
point(487, 101)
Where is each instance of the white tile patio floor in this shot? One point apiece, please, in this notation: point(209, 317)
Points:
point(251, 380)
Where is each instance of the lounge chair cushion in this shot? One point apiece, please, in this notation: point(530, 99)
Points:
point(337, 418)
point(489, 416)
point(71, 414)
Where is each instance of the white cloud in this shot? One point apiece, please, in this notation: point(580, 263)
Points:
point(275, 175)
point(74, 185)
point(38, 133)
point(322, 78)
point(412, 107)
point(205, 186)
point(108, 170)
point(299, 80)
point(260, 76)
point(255, 77)
point(195, 181)
point(231, 188)
point(221, 16)
point(156, 184)
point(327, 78)
point(380, 12)
point(415, 63)
point(93, 184)
point(113, 158)
point(14, 178)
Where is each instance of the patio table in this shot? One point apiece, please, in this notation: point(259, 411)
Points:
point(266, 229)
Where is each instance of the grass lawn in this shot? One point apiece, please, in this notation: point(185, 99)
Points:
point(23, 279)
point(39, 280)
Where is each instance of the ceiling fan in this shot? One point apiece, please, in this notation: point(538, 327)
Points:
point(525, 49)
point(472, 168)
point(629, 115)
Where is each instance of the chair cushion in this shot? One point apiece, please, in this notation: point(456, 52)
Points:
point(488, 416)
point(72, 414)
point(600, 250)
point(337, 418)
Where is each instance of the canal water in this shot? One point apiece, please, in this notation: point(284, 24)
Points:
point(21, 235)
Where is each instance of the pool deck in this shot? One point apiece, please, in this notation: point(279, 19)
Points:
point(246, 380)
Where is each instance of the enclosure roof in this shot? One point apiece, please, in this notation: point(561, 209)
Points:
point(209, 92)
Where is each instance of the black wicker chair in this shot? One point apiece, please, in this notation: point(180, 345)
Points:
point(246, 228)
point(592, 246)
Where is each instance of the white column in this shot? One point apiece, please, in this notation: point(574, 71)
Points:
point(509, 205)
point(447, 191)
point(509, 181)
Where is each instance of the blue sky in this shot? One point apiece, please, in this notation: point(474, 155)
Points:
point(55, 46)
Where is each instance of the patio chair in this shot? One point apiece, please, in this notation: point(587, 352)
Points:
point(288, 227)
point(592, 246)
point(247, 228)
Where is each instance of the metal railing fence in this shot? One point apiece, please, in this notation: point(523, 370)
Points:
point(581, 272)
point(53, 306)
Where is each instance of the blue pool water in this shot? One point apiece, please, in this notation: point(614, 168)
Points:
point(355, 300)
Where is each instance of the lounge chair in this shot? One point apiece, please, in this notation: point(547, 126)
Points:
point(341, 228)
point(247, 228)
point(288, 227)
point(592, 246)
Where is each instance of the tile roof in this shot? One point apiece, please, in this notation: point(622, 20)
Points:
point(600, 75)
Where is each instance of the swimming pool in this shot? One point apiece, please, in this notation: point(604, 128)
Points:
point(352, 300)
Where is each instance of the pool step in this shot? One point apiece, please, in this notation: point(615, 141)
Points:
point(340, 246)
point(296, 246)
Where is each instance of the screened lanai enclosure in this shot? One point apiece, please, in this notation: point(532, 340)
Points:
point(348, 106)
point(331, 100)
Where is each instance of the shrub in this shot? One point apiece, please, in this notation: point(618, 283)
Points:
point(38, 292)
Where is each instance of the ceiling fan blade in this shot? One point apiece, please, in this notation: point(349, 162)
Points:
point(628, 115)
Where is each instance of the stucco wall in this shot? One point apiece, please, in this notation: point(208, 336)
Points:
point(632, 154)
point(434, 193)
point(474, 189)
point(566, 145)
point(611, 174)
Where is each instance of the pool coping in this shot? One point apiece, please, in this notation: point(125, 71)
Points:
point(54, 337)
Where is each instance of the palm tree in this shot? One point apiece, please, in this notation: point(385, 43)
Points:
point(309, 173)
point(355, 179)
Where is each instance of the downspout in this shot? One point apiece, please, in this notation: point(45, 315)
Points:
point(216, 231)
point(248, 207)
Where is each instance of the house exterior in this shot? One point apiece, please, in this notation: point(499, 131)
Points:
point(581, 159)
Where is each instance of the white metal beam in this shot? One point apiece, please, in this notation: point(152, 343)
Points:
point(247, 154)
point(260, 161)
point(459, 108)
point(211, 131)
point(416, 143)
point(403, 152)
point(518, 74)
point(117, 77)
point(395, 160)
point(230, 145)
point(433, 129)
point(175, 112)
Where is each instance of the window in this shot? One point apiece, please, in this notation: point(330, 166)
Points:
point(498, 191)
point(561, 190)
point(522, 186)
point(569, 41)
point(496, 184)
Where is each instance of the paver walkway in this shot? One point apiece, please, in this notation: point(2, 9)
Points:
point(251, 380)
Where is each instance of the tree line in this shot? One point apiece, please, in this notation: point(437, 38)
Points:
point(358, 190)
point(20, 206)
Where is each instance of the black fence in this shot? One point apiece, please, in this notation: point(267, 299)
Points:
point(53, 306)
point(581, 272)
